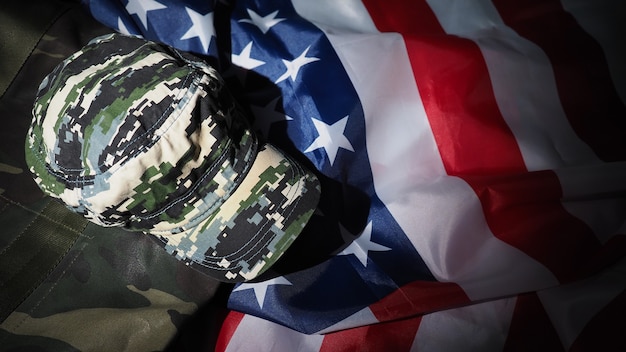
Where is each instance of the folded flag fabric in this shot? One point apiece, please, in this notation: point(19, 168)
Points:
point(473, 157)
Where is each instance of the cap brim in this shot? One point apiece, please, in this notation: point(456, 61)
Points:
point(255, 225)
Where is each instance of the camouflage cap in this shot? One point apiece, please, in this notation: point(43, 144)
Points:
point(132, 133)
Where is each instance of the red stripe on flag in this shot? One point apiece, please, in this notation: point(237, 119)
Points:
point(228, 330)
point(454, 84)
point(419, 297)
point(606, 330)
point(474, 139)
point(390, 336)
point(531, 328)
point(584, 82)
point(525, 211)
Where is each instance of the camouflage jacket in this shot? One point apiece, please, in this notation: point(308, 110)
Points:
point(66, 284)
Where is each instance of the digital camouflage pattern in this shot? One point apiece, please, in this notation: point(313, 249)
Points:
point(69, 285)
point(131, 133)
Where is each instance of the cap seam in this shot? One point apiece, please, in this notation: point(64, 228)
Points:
point(153, 127)
point(211, 209)
point(198, 183)
point(194, 187)
point(141, 138)
point(136, 140)
point(178, 98)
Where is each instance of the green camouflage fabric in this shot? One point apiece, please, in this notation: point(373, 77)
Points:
point(67, 284)
point(113, 291)
point(135, 134)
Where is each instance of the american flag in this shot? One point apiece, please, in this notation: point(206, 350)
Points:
point(473, 162)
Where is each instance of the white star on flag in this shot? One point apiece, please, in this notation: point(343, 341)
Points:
point(260, 288)
point(244, 60)
point(331, 138)
point(267, 115)
point(141, 8)
point(361, 246)
point(202, 27)
point(121, 27)
point(294, 66)
point(264, 23)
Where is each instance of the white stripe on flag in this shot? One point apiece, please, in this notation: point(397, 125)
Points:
point(452, 236)
point(362, 317)
point(480, 327)
point(589, 192)
point(346, 15)
point(570, 307)
point(259, 335)
point(440, 214)
point(523, 84)
point(526, 93)
point(604, 20)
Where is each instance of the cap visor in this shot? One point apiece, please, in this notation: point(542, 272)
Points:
point(255, 225)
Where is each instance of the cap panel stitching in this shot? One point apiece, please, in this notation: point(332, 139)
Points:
point(218, 163)
point(211, 209)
